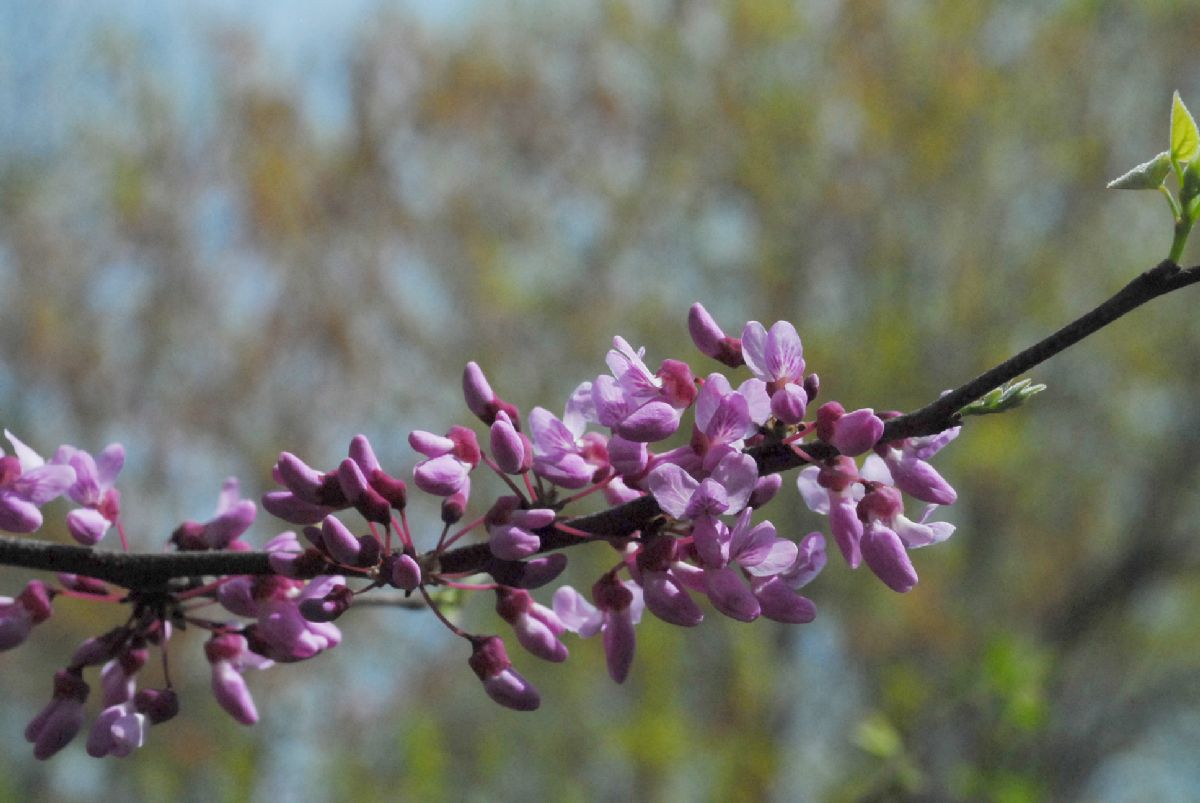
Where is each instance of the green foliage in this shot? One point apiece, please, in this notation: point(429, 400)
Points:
point(1003, 399)
point(1146, 176)
point(1182, 158)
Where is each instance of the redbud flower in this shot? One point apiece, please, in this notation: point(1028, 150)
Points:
point(26, 483)
point(511, 530)
point(450, 459)
point(711, 340)
point(757, 551)
point(490, 662)
point(233, 517)
point(229, 657)
point(482, 400)
point(560, 453)
point(118, 731)
point(618, 608)
point(777, 358)
point(637, 404)
point(537, 627)
point(910, 473)
point(831, 489)
point(56, 724)
point(661, 575)
point(93, 489)
point(405, 573)
point(849, 433)
point(510, 447)
point(18, 616)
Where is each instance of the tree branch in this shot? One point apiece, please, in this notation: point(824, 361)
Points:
point(150, 570)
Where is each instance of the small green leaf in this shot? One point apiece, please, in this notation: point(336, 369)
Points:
point(1002, 399)
point(1146, 176)
point(1185, 139)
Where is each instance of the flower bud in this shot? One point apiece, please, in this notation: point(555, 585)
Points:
point(501, 682)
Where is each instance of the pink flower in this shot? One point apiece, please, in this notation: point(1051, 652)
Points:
point(618, 608)
point(56, 724)
point(849, 433)
point(234, 516)
point(562, 451)
point(710, 338)
point(834, 489)
point(776, 357)
point(756, 551)
point(229, 657)
point(511, 530)
point(449, 460)
point(489, 660)
point(536, 626)
point(18, 616)
point(26, 483)
point(482, 400)
point(93, 490)
point(639, 405)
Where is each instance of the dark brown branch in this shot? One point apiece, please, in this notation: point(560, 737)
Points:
point(141, 570)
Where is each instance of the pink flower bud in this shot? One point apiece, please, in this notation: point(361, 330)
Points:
point(405, 573)
point(856, 432)
point(362, 454)
point(885, 554)
point(289, 507)
point(781, 603)
point(788, 403)
point(56, 724)
point(339, 542)
point(711, 340)
point(501, 682)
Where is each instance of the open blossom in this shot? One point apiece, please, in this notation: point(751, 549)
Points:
point(449, 460)
point(618, 608)
point(909, 471)
point(888, 534)
point(26, 483)
point(536, 626)
point(726, 491)
point(754, 550)
point(234, 516)
point(93, 490)
point(834, 489)
point(637, 404)
point(282, 633)
point(229, 657)
point(776, 357)
point(726, 417)
point(562, 452)
point(121, 728)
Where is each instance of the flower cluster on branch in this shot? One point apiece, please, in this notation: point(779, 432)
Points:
point(688, 529)
point(683, 523)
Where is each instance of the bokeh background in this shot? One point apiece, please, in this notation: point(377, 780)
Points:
point(227, 229)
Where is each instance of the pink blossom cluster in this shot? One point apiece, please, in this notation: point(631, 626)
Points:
point(684, 442)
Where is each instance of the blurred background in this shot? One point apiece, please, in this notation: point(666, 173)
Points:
point(228, 229)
